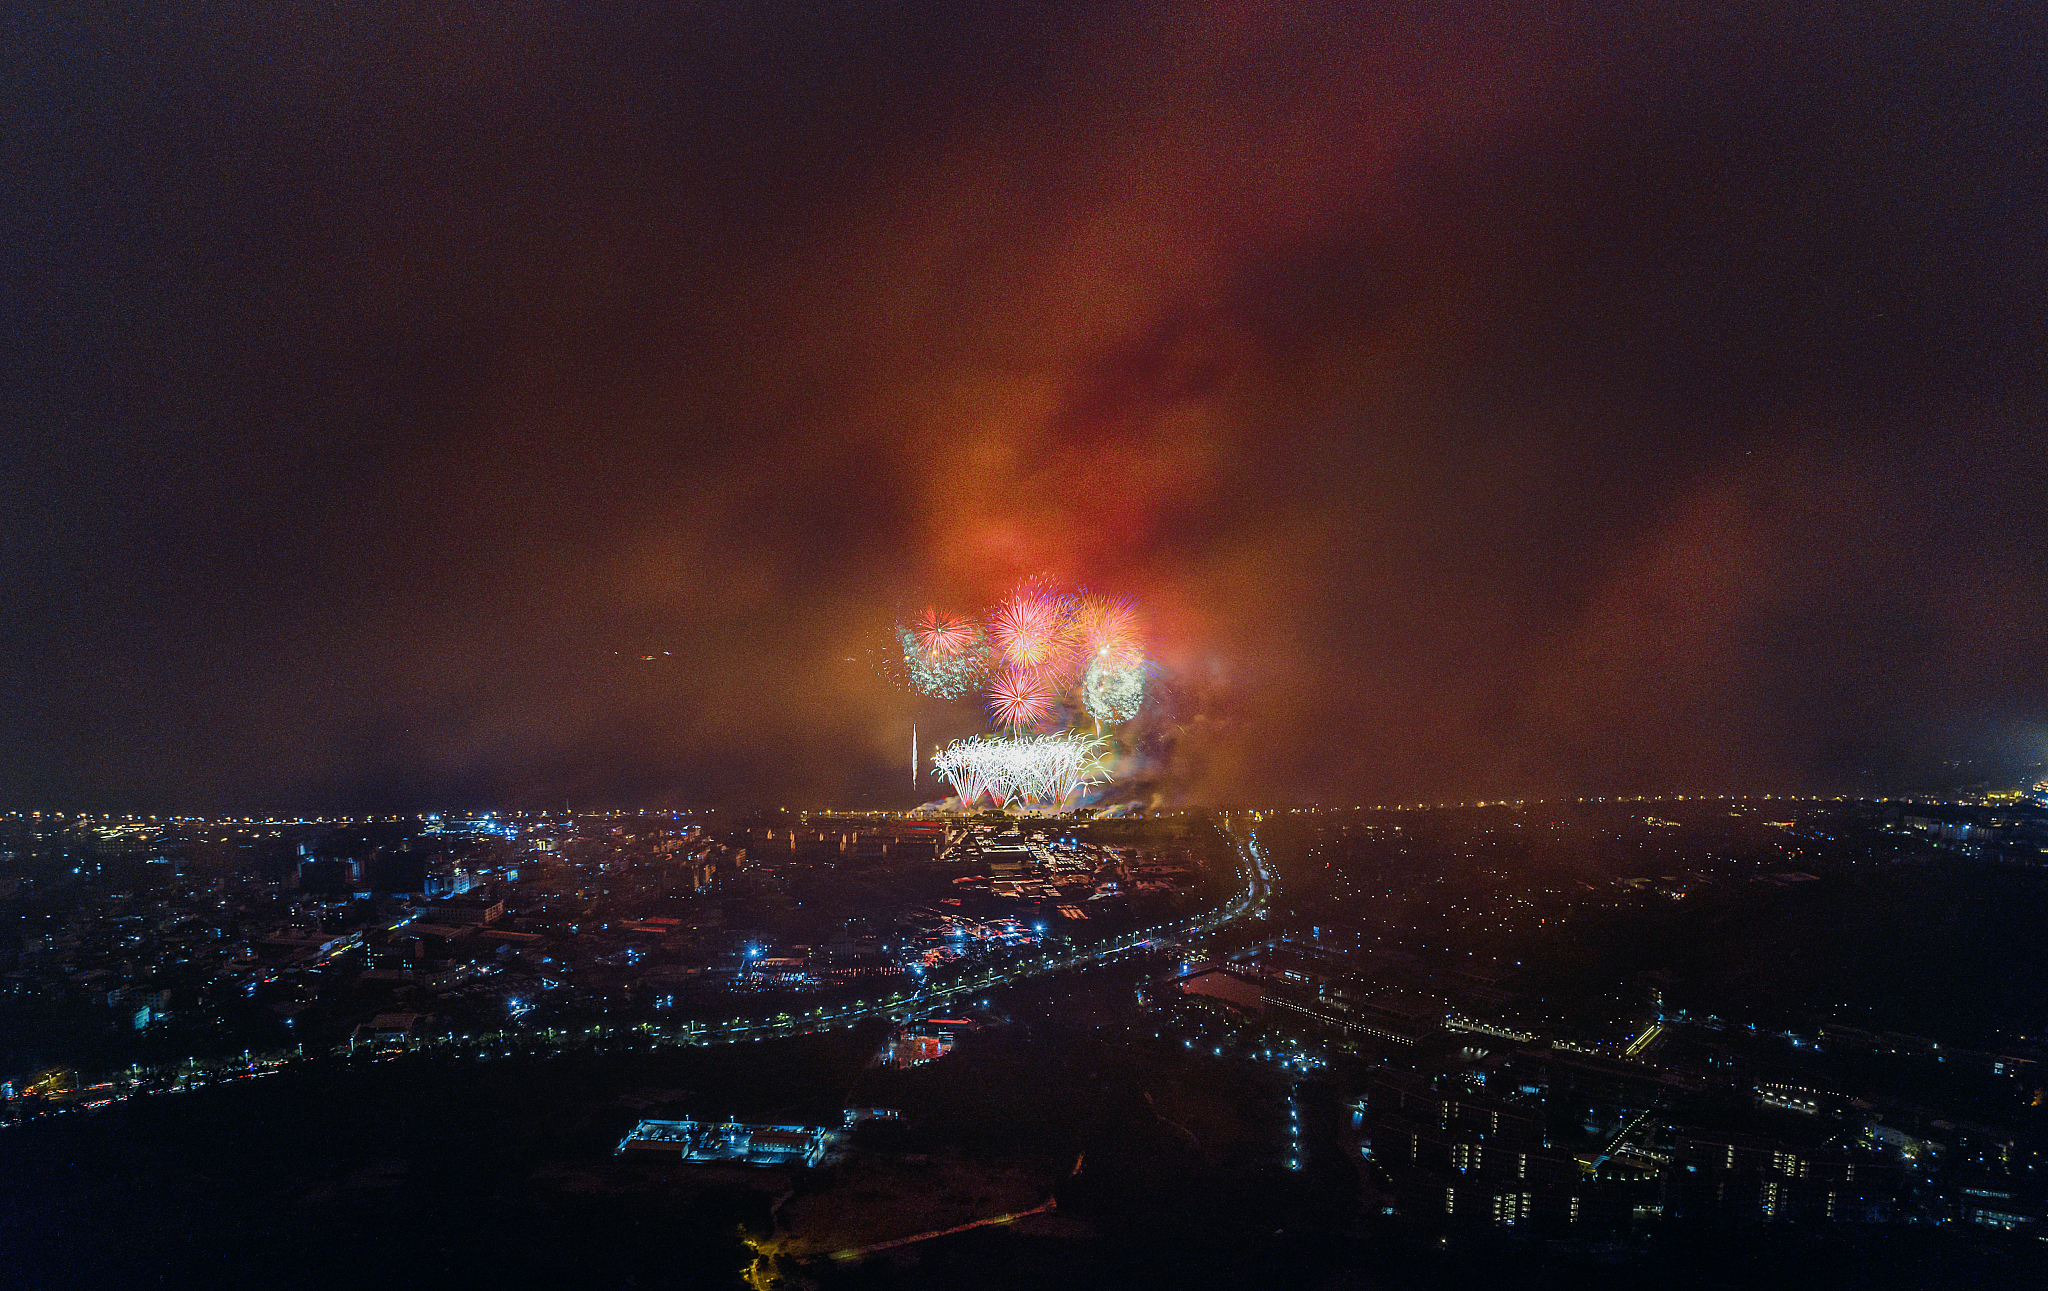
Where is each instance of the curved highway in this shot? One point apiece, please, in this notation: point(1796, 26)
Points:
point(1258, 886)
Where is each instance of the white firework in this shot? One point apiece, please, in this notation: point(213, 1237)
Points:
point(1043, 769)
point(1114, 688)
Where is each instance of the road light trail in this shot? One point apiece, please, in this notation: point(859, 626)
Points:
point(1258, 886)
point(1251, 900)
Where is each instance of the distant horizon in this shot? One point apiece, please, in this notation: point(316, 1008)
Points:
point(422, 814)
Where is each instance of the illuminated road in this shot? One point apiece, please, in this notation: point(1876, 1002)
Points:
point(1250, 901)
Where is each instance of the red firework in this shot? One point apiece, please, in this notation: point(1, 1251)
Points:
point(1021, 701)
point(944, 635)
point(1033, 629)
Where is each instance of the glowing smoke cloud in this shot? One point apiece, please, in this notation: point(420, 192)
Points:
point(1044, 769)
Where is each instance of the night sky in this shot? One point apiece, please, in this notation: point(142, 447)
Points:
point(1482, 399)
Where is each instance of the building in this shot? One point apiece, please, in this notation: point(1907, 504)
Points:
point(730, 1142)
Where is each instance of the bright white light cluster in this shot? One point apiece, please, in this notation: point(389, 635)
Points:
point(1114, 688)
point(1034, 768)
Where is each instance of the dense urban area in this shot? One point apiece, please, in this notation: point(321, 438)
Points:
point(1424, 1042)
point(135, 941)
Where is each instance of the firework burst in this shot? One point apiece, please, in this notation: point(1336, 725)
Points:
point(1033, 630)
point(1019, 700)
point(1045, 769)
point(943, 636)
point(946, 676)
point(1110, 630)
point(1114, 689)
point(1040, 657)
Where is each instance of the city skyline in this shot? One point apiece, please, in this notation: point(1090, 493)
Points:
point(1550, 1033)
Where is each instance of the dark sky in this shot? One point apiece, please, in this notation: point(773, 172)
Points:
point(1482, 399)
